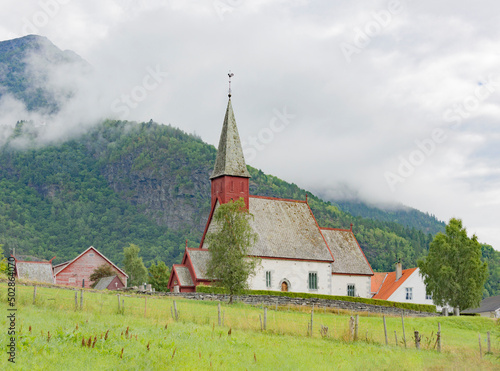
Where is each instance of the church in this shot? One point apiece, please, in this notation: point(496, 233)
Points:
point(295, 253)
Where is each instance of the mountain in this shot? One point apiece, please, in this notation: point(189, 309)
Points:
point(148, 184)
point(36, 72)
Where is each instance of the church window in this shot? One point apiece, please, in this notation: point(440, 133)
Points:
point(313, 281)
point(268, 279)
point(409, 293)
point(351, 290)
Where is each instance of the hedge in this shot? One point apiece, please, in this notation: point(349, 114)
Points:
point(303, 295)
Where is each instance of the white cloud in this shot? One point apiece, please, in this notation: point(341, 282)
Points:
point(353, 120)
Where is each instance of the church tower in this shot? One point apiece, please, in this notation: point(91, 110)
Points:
point(230, 178)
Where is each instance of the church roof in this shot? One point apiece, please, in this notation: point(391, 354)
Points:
point(230, 159)
point(200, 259)
point(349, 258)
point(286, 229)
point(184, 275)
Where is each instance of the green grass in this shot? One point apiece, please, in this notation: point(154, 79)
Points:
point(199, 343)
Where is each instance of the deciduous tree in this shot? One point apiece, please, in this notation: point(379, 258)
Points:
point(453, 271)
point(134, 266)
point(159, 274)
point(229, 264)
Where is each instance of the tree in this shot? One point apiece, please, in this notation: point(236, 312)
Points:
point(137, 272)
point(3, 261)
point(229, 265)
point(453, 271)
point(159, 274)
point(102, 271)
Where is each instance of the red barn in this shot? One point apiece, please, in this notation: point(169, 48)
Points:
point(78, 270)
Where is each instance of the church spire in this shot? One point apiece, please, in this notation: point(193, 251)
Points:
point(230, 159)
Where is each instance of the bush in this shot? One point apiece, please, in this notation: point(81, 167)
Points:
point(303, 295)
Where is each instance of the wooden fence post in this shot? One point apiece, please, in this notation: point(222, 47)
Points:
point(146, 306)
point(351, 328)
point(489, 342)
point(417, 340)
point(403, 323)
point(175, 311)
point(260, 319)
point(396, 337)
point(439, 337)
point(385, 332)
point(123, 306)
point(480, 348)
point(356, 327)
point(34, 295)
point(81, 299)
point(218, 313)
point(312, 319)
point(119, 310)
point(265, 318)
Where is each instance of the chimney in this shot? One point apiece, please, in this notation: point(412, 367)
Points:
point(399, 270)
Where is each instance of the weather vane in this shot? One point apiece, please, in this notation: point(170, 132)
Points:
point(230, 74)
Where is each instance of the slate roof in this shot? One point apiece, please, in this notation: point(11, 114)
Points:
point(230, 159)
point(349, 258)
point(35, 271)
point(200, 259)
point(104, 283)
point(184, 275)
point(286, 229)
point(490, 304)
point(390, 284)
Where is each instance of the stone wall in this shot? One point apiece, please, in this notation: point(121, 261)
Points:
point(285, 301)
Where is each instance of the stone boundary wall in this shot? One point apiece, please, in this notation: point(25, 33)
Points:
point(320, 303)
point(261, 300)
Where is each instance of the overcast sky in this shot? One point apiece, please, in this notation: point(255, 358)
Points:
point(389, 101)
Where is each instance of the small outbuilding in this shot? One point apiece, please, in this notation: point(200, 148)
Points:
point(38, 271)
point(109, 283)
point(490, 307)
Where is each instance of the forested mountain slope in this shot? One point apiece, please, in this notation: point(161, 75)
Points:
point(146, 184)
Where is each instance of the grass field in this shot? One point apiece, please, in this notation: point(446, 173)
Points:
point(50, 334)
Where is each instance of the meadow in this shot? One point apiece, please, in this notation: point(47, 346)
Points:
point(143, 334)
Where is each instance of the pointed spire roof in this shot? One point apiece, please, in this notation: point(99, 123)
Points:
point(230, 159)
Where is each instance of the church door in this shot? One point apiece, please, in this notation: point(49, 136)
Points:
point(284, 286)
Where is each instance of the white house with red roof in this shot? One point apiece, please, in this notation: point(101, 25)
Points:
point(295, 253)
point(77, 272)
point(402, 285)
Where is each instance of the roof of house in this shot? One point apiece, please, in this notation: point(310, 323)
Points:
point(490, 304)
point(390, 285)
point(349, 258)
point(35, 271)
point(377, 281)
point(200, 259)
point(104, 283)
point(183, 275)
point(230, 159)
point(286, 229)
point(60, 267)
